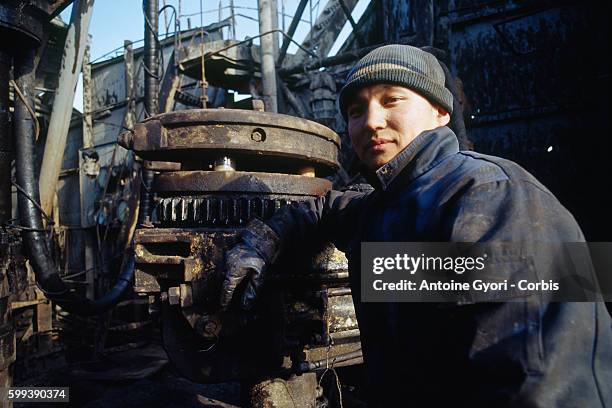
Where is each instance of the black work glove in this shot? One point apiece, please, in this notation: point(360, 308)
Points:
point(249, 259)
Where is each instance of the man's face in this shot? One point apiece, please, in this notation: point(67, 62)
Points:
point(384, 119)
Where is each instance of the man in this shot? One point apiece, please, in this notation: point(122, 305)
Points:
point(482, 354)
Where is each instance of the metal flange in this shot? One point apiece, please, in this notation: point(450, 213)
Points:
point(256, 140)
point(237, 182)
point(21, 22)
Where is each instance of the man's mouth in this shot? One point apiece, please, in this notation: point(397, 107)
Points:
point(377, 145)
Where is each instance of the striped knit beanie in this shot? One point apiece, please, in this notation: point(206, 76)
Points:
point(402, 65)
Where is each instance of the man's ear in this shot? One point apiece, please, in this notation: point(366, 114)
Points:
point(442, 116)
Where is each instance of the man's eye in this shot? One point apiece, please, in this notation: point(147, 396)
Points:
point(393, 99)
point(355, 111)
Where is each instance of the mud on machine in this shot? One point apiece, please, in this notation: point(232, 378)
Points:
point(216, 169)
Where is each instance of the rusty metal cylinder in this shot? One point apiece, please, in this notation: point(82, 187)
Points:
point(151, 60)
point(151, 90)
point(5, 139)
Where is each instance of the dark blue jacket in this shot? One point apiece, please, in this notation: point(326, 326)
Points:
point(536, 354)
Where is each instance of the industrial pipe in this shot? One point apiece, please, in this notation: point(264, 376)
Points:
point(150, 9)
point(268, 68)
point(30, 215)
point(33, 229)
point(308, 366)
point(151, 85)
point(5, 139)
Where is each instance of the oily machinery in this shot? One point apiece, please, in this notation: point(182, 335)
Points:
point(213, 171)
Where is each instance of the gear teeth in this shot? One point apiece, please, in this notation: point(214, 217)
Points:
point(186, 207)
point(246, 211)
point(197, 203)
point(215, 211)
point(174, 208)
point(222, 212)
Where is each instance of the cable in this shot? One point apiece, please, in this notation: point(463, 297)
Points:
point(209, 54)
point(29, 108)
point(37, 205)
point(170, 6)
point(157, 76)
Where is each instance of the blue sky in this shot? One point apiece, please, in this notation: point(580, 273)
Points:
point(114, 21)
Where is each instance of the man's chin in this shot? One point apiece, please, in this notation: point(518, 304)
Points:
point(375, 163)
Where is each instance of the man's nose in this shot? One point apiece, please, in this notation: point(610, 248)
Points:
point(375, 118)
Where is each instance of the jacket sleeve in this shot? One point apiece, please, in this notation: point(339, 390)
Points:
point(333, 216)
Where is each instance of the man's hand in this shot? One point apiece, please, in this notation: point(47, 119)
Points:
point(242, 262)
point(248, 260)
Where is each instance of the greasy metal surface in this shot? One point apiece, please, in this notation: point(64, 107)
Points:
point(325, 353)
point(318, 315)
point(13, 282)
point(13, 273)
point(341, 313)
point(525, 74)
point(20, 24)
point(175, 255)
point(408, 22)
point(199, 214)
point(22, 21)
point(206, 134)
point(533, 73)
point(296, 391)
point(232, 182)
point(329, 259)
point(145, 283)
point(188, 265)
point(151, 59)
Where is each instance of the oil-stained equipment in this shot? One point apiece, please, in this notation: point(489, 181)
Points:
point(226, 167)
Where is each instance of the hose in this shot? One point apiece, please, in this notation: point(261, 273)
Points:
point(45, 269)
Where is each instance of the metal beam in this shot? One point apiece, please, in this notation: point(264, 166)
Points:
point(61, 112)
point(343, 58)
point(292, 27)
point(87, 100)
point(325, 30)
point(348, 15)
point(130, 86)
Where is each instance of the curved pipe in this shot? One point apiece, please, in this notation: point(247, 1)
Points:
point(307, 366)
point(45, 268)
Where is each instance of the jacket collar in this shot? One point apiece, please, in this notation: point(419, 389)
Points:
point(424, 152)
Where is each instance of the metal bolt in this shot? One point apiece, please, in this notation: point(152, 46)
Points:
point(258, 135)
point(224, 164)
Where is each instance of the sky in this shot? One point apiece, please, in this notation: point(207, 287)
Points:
point(114, 21)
